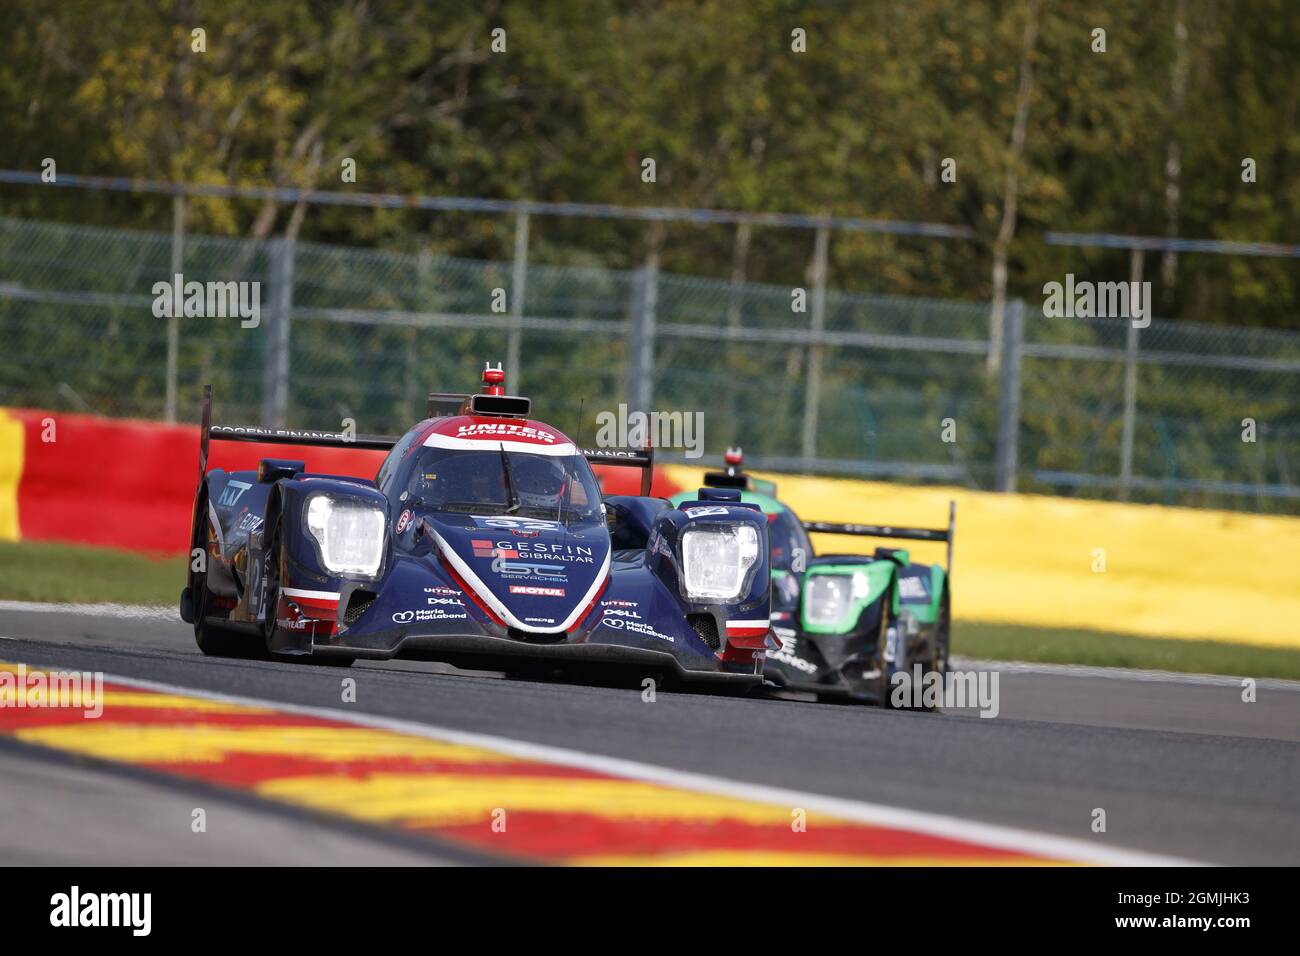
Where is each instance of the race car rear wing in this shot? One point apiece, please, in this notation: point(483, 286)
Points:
point(887, 531)
point(631, 457)
point(209, 432)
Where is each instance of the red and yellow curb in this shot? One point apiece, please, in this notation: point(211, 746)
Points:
point(471, 796)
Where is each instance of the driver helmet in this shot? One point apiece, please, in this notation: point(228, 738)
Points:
point(539, 480)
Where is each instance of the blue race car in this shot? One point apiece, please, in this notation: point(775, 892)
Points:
point(483, 541)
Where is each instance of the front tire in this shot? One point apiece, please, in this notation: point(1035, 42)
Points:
point(899, 662)
point(274, 570)
point(939, 658)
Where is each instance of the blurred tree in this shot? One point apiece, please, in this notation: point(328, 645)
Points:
point(888, 109)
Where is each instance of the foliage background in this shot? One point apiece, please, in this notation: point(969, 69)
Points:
point(857, 125)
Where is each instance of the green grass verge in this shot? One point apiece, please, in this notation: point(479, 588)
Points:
point(31, 571)
point(1004, 642)
point(38, 571)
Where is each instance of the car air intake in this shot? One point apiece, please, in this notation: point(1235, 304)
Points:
point(359, 602)
point(707, 627)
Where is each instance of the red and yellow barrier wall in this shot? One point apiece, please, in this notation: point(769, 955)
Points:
point(1041, 561)
point(1020, 559)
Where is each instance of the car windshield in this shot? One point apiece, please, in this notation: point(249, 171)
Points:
point(498, 482)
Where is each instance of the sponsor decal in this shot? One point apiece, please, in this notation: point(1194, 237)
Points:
point(546, 551)
point(798, 663)
point(482, 547)
point(403, 520)
point(788, 652)
point(636, 627)
point(747, 628)
point(539, 620)
point(536, 591)
point(298, 613)
point(620, 603)
point(620, 612)
point(322, 607)
point(520, 569)
point(451, 592)
point(913, 589)
point(440, 614)
point(233, 491)
point(658, 545)
point(511, 430)
point(516, 524)
point(708, 511)
point(271, 434)
point(428, 614)
point(248, 522)
point(444, 600)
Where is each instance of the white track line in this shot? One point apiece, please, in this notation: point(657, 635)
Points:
point(137, 612)
point(988, 834)
point(149, 612)
point(1123, 673)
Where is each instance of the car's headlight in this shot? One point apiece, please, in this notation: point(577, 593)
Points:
point(350, 534)
point(715, 561)
point(829, 597)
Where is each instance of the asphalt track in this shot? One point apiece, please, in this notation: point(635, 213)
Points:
point(1182, 766)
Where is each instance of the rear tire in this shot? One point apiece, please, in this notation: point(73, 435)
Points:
point(887, 668)
point(213, 639)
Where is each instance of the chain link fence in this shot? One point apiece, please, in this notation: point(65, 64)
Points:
point(852, 384)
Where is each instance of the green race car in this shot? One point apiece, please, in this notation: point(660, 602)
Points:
point(848, 624)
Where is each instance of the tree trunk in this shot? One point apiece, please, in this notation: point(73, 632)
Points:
point(1011, 187)
point(1174, 153)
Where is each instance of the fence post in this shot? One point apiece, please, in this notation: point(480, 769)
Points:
point(519, 279)
point(1008, 447)
point(813, 383)
point(641, 343)
point(173, 320)
point(1130, 380)
point(275, 383)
